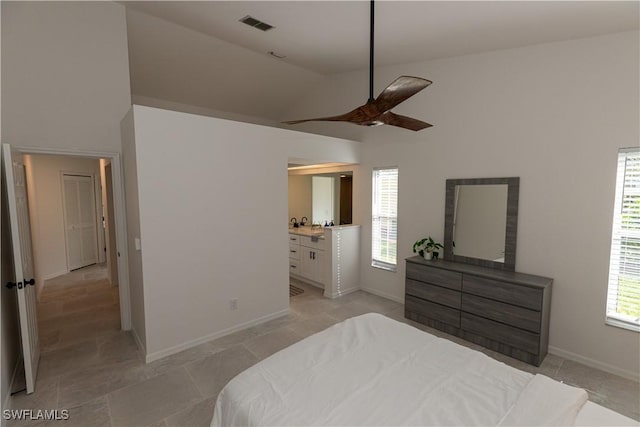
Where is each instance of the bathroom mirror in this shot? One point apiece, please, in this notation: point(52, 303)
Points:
point(481, 221)
point(321, 197)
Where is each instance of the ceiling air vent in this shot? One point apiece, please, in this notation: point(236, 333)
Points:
point(255, 23)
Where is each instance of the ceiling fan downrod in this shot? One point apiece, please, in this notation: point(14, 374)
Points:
point(371, 99)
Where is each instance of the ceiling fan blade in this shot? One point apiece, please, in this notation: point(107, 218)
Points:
point(401, 89)
point(405, 122)
point(361, 115)
point(340, 118)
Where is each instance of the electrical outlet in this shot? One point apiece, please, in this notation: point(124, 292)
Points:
point(233, 304)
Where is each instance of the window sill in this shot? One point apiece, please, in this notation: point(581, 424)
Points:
point(622, 324)
point(384, 266)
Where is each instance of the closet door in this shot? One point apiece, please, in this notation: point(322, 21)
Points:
point(80, 221)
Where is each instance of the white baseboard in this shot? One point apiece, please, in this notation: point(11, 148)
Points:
point(384, 295)
point(341, 293)
point(635, 376)
point(189, 344)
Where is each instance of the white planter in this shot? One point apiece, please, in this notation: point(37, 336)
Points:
point(428, 255)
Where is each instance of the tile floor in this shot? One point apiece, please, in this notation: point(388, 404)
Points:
point(94, 370)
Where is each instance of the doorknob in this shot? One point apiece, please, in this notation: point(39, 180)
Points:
point(31, 282)
point(11, 285)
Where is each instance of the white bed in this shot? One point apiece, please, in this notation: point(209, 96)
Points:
point(371, 370)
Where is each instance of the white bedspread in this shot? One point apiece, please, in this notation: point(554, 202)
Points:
point(546, 402)
point(371, 370)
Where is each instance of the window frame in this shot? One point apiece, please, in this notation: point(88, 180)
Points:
point(618, 235)
point(379, 263)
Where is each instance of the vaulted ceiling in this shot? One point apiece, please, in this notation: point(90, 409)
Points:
point(198, 53)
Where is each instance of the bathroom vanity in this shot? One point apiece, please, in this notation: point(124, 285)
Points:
point(326, 257)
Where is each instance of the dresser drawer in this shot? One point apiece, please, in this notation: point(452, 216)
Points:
point(512, 315)
point(432, 310)
point(294, 251)
point(294, 266)
point(435, 276)
point(504, 334)
point(433, 293)
point(312, 242)
point(510, 293)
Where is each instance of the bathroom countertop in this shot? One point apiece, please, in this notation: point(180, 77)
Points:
point(317, 231)
point(308, 231)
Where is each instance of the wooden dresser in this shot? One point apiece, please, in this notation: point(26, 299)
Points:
point(504, 311)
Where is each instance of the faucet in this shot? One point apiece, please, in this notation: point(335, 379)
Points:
point(294, 220)
point(303, 221)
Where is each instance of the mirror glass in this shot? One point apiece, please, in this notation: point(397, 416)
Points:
point(321, 197)
point(481, 219)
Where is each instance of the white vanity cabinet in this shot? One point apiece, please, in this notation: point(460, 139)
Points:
point(330, 260)
point(294, 254)
point(312, 258)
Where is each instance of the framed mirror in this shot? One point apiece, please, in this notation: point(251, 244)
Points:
point(481, 221)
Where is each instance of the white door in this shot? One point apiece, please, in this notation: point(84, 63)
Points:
point(15, 179)
point(80, 220)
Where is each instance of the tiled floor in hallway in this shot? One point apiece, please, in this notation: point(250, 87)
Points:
point(96, 372)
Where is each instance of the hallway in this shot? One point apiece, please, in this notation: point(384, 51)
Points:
point(76, 307)
point(80, 339)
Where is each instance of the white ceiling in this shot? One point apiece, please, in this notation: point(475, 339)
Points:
point(198, 53)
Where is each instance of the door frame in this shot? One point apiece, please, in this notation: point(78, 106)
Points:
point(120, 217)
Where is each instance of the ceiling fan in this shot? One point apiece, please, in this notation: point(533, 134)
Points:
point(377, 111)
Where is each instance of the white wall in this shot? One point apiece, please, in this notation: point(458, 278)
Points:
point(164, 104)
point(552, 114)
point(136, 289)
point(201, 184)
point(65, 74)
point(46, 211)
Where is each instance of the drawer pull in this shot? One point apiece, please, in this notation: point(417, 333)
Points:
point(292, 266)
point(293, 251)
point(292, 238)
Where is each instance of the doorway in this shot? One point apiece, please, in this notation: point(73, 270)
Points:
point(107, 176)
point(346, 197)
point(123, 316)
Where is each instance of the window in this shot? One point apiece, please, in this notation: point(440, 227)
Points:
point(384, 224)
point(623, 296)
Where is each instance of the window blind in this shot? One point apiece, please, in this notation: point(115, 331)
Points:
point(384, 228)
point(623, 296)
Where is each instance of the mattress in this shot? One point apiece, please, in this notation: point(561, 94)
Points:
point(372, 370)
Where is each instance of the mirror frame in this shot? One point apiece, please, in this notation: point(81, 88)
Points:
point(513, 188)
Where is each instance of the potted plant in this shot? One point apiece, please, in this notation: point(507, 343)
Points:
point(427, 248)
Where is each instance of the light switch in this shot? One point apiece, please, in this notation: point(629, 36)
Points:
point(136, 241)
